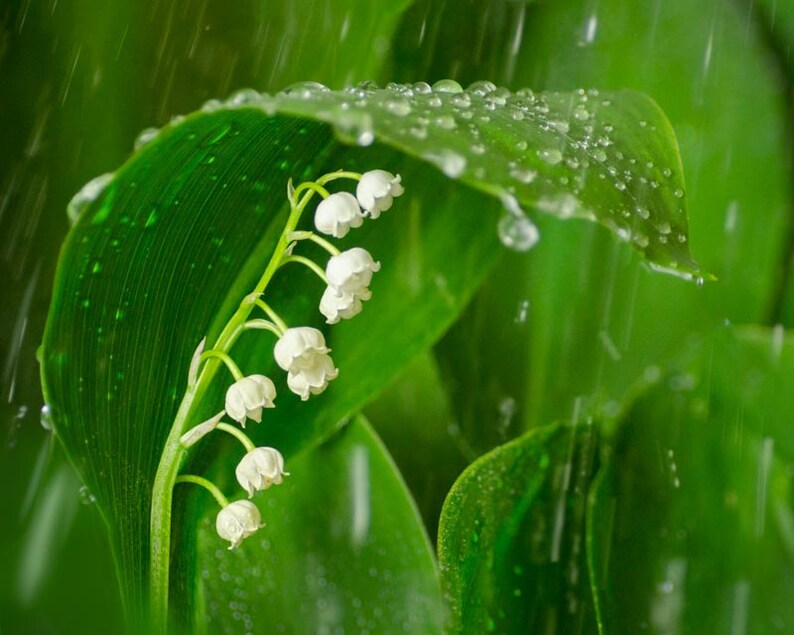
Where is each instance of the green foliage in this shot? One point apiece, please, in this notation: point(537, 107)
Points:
point(511, 539)
point(688, 524)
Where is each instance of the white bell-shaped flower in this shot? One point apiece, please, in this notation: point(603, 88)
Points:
point(376, 189)
point(237, 521)
point(259, 469)
point(247, 396)
point(351, 272)
point(336, 214)
point(302, 352)
point(337, 307)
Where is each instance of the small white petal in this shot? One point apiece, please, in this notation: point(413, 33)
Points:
point(350, 272)
point(247, 396)
point(376, 189)
point(337, 214)
point(337, 307)
point(296, 344)
point(259, 469)
point(237, 521)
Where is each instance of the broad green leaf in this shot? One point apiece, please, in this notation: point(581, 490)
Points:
point(690, 522)
point(610, 158)
point(579, 316)
point(343, 550)
point(415, 421)
point(511, 539)
point(163, 254)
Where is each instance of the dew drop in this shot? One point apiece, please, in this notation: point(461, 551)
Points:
point(399, 107)
point(515, 230)
point(450, 162)
point(86, 497)
point(145, 136)
point(243, 97)
point(304, 90)
point(551, 156)
point(600, 156)
point(523, 175)
point(447, 86)
point(679, 193)
point(87, 195)
point(46, 417)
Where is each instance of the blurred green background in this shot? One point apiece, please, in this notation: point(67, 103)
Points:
point(79, 81)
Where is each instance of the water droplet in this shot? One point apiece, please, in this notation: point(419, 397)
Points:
point(523, 175)
point(87, 195)
point(243, 97)
point(304, 90)
point(451, 163)
point(481, 88)
point(551, 156)
point(679, 193)
point(399, 107)
point(145, 136)
point(446, 121)
point(86, 497)
point(46, 417)
point(599, 155)
point(447, 86)
point(516, 231)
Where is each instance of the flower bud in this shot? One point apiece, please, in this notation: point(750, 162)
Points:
point(336, 214)
point(259, 469)
point(247, 396)
point(237, 521)
point(376, 189)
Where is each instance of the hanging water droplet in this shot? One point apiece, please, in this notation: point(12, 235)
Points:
point(46, 417)
point(87, 195)
point(515, 230)
point(451, 163)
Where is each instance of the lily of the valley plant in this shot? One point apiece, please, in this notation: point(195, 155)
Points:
point(301, 351)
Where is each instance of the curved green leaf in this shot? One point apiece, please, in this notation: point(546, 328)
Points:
point(511, 538)
point(690, 523)
point(166, 248)
point(605, 157)
point(343, 550)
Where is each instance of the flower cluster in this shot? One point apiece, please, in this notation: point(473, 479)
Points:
point(301, 351)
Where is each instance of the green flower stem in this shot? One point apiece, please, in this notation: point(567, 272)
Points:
point(234, 369)
point(309, 185)
point(207, 485)
point(320, 241)
point(174, 452)
point(238, 434)
point(281, 324)
point(264, 325)
point(308, 263)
